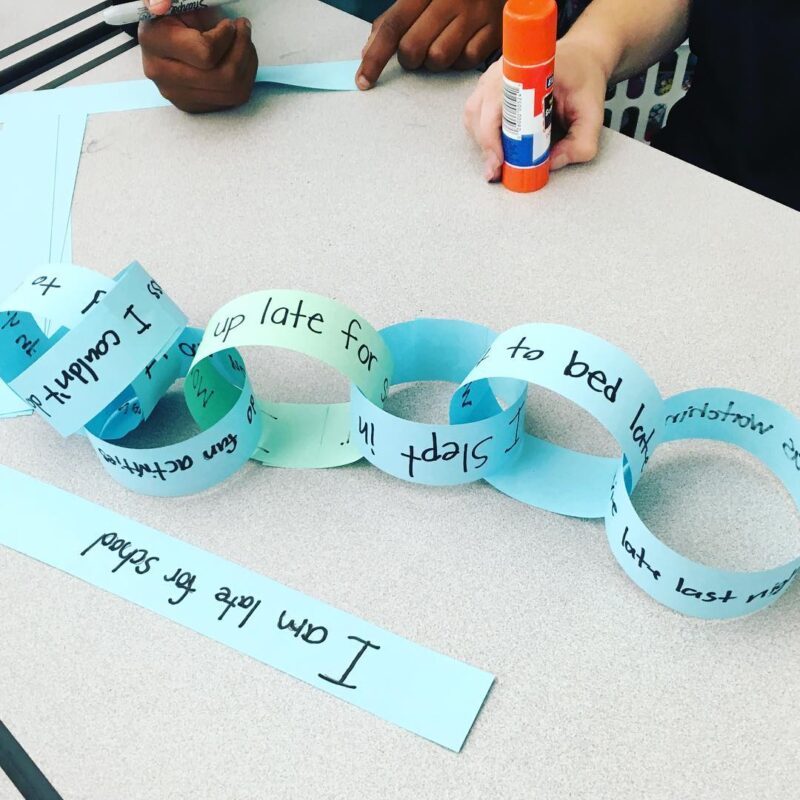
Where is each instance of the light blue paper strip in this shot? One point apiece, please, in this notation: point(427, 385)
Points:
point(76, 378)
point(444, 350)
point(127, 411)
point(22, 342)
point(141, 94)
point(334, 76)
point(197, 463)
point(762, 428)
point(58, 294)
point(190, 466)
point(557, 479)
point(402, 682)
point(598, 377)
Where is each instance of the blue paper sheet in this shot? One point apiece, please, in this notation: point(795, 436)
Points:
point(425, 692)
point(28, 150)
point(71, 128)
point(141, 94)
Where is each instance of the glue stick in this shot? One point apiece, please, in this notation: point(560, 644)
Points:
point(529, 49)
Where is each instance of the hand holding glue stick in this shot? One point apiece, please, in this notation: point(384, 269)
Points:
point(200, 60)
point(611, 41)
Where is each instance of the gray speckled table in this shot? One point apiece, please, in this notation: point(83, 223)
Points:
point(376, 200)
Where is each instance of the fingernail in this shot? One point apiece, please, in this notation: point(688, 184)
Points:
point(558, 162)
point(248, 24)
point(363, 83)
point(490, 167)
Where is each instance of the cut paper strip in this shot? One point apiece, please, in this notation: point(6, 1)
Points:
point(758, 426)
point(441, 350)
point(195, 464)
point(334, 76)
point(302, 435)
point(58, 295)
point(595, 375)
point(81, 374)
point(425, 692)
point(142, 94)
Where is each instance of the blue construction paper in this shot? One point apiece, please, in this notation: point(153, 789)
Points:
point(595, 375)
point(402, 682)
point(71, 128)
point(27, 165)
point(66, 250)
point(141, 94)
point(443, 350)
point(765, 430)
point(71, 383)
point(90, 99)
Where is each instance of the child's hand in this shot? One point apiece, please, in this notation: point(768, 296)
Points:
point(483, 115)
point(579, 91)
point(437, 34)
point(158, 6)
point(198, 61)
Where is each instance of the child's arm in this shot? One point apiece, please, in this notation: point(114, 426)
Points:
point(437, 34)
point(610, 41)
point(199, 61)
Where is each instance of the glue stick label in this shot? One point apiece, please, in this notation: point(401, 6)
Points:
point(527, 114)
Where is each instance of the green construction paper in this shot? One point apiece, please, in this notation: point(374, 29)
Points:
point(300, 435)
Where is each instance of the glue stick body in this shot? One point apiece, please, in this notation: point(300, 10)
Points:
point(529, 49)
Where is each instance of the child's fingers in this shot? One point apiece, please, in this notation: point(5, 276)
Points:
point(479, 47)
point(447, 47)
point(200, 70)
point(231, 78)
point(375, 25)
point(386, 38)
point(488, 137)
point(413, 49)
point(158, 7)
point(581, 142)
point(483, 116)
point(237, 70)
point(201, 49)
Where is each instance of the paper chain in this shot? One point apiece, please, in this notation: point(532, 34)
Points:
point(118, 345)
